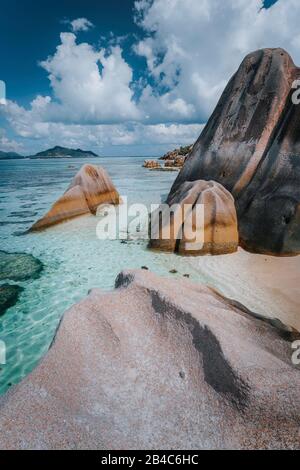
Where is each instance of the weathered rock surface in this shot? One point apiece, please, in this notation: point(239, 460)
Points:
point(251, 145)
point(157, 364)
point(19, 266)
point(151, 164)
point(178, 162)
point(216, 234)
point(176, 158)
point(169, 165)
point(90, 188)
point(180, 152)
point(9, 295)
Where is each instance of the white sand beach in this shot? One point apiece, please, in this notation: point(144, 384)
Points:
point(265, 284)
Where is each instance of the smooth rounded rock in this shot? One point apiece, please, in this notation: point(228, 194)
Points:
point(90, 188)
point(129, 367)
point(190, 233)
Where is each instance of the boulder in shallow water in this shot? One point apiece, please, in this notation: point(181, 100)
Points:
point(178, 162)
point(9, 295)
point(152, 164)
point(251, 145)
point(129, 367)
point(90, 188)
point(216, 234)
point(19, 266)
point(72, 204)
point(97, 187)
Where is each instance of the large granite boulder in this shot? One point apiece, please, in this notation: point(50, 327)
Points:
point(90, 188)
point(96, 186)
point(187, 230)
point(251, 145)
point(129, 367)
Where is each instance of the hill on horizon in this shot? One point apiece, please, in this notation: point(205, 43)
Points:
point(59, 152)
point(7, 155)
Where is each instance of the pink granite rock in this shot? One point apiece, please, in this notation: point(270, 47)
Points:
point(183, 232)
point(157, 364)
point(251, 146)
point(90, 188)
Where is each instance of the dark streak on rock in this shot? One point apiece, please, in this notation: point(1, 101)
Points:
point(123, 280)
point(217, 370)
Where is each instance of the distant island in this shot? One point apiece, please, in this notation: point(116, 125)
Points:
point(63, 152)
point(55, 152)
point(9, 155)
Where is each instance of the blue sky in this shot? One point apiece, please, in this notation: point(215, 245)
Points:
point(125, 77)
point(29, 32)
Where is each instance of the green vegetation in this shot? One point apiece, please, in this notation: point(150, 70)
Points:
point(184, 150)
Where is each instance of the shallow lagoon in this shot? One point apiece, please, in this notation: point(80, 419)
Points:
point(74, 259)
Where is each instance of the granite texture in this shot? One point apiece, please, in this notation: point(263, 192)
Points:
point(90, 188)
point(158, 364)
point(251, 145)
point(203, 221)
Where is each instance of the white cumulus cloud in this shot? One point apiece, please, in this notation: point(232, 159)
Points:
point(190, 47)
point(81, 24)
point(8, 145)
point(106, 139)
point(89, 85)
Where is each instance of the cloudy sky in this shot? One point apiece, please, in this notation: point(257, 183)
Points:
point(124, 77)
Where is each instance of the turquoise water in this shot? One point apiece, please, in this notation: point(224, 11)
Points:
point(75, 259)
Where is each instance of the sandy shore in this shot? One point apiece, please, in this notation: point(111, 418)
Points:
point(265, 284)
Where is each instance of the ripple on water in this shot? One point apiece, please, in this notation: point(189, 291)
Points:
point(22, 214)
